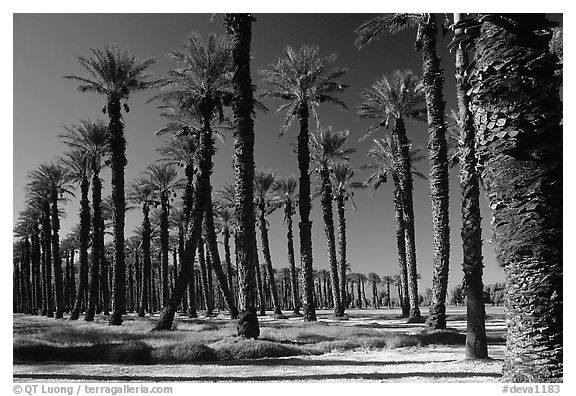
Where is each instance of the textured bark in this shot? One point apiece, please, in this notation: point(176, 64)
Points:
point(517, 114)
point(239, 26)
point(96, 234)
point(406, 188)
point(164, 245)
point(204, 278)
point(66, 281)
point(340, 202)
point(328, 216)
point(433, 80)
point(401, 245)
point(290, 242)
point(304, 207)
point(146, 303)
point(72, 285)
point(105, 275)
point(36, 264)
point(476, 345)
point(118, 149)
point(267, 257)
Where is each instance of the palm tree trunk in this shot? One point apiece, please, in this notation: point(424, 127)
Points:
point(268, 259)
point(518, 115)
point(36, 264)
point(72, 285)
point(228, 260)
point(437, 151)
point(401, 244)
point(328, 217)
point(293, 275)
point(212, 245)
point(304, 210)
point(204, 274)
point(146, 263)
point(406, 188)
point(260, 285)
point(164, 246)
point(476, 345)
point(342, 247)
point(118, 149)
point(56, 259)
point(105, 272)
point(239, 26)
point(66, 281)
point(96, 254)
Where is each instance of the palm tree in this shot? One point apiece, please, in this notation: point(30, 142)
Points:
point(304, 81)
point(517, 114)
point(393, 99)
point(52, 182)
point(432, 80)
point(388, 280)
point(263, 183)
point(463, 129)
point(226, 222)
point(164, 180)
point(202, 83)
point(142, 192)
point(91, 137)
point(385, 156)
point(286, 194)
point(343, 186)
point(115, 73)
point(239, 26)
point(26, 228)
point(78, 165)
point(374, 279)
point(327, 148)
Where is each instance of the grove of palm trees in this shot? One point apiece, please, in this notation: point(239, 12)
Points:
point(288, 197)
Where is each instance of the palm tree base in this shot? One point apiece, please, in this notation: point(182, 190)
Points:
point(141, 313)
point(248, 325)
point(50, 314)
point(234, 313)
point(74, 315)
point(115, 319)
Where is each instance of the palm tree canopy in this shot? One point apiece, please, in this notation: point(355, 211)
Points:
point(264, 181)
point(140, 191)
point(48, 178)
point(164, 179)
point(385, 24)
point(391, 98)
point(326, 147)
point(179, 150)
point(374, 277)
point(384, 155)
point(90, 137)
point(204, 73)
point(341, 175)
point(114, 72)
point(302, 77)
point(78, 165)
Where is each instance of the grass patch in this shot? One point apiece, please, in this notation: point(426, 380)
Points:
point(233, 348)
point(184, 353)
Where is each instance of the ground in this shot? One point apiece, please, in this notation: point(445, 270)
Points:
point(373, 345)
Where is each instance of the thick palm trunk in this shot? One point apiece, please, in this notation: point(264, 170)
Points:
point(342, 247)
point(304, 208)
point(433, 80)
point(72, 285)
point(67, 281)
point(216, 265)
point(328, 217)
point(293, 275)
point(96, 254)
point(191, 282)
point(406, 188)
point(164, 246)
point(268, 259)
point(204, 274)
point(401, 245)
point(118, 149)
point(47, 232)
point(517, 112)
point(476, 345)
point(239, 26)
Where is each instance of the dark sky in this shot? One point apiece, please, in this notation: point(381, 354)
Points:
point(46, 47)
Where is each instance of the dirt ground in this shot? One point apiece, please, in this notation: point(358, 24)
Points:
point(431, 363)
